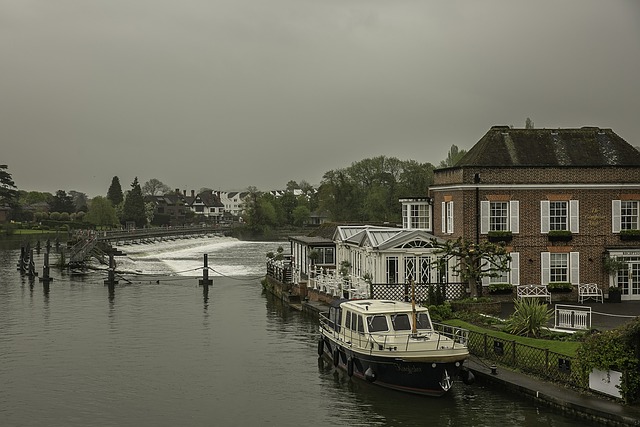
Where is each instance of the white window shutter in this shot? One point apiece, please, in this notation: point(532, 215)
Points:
point(545, 259)
point(544, 216)
point(515, 268)
point(616, 207)
point(574, 263)
point(444, 217)
point(514, 216)
point(450, 218)
point(574, 216)
point(484, 217)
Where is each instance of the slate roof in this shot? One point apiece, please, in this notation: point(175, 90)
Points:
point(503, 146)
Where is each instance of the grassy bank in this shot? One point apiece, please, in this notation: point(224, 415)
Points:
point(563, 347)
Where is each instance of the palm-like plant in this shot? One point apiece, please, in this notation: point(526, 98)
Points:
point(529, 318)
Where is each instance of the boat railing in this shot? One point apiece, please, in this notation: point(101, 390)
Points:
point(445, 335)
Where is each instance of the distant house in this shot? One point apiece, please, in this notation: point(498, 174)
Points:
point(232, 201)
point(206, 204)
point(5, 211)
point(563, 200)
point(317, 218)
point(169, 209)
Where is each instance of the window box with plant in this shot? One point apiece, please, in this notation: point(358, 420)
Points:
point(559, 287)
point(629, 234)
point(500, 288)
point(560, 235)
point(500, 236)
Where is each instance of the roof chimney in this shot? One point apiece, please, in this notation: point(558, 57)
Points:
point(193, 193)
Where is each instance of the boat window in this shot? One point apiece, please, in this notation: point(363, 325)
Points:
point(360, 324)
point(348, 320)
point(401, 322)
point(422, 321)
point(377, 323)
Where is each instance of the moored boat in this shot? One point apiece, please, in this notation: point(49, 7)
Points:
point(393, 344)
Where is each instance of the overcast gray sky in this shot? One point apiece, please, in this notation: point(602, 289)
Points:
point(228, 94)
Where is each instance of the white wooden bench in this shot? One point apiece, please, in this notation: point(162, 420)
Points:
point(533, 291)
point(589, 290)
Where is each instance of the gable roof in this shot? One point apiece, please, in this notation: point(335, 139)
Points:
point(585, 147)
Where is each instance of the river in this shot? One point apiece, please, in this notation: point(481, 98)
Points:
point(157, 351)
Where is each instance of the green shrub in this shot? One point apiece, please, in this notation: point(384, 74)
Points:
point(440, 312)
point(616, 350)
point(529, 318)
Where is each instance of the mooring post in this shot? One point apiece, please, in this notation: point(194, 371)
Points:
point(111, 278)
point(32, 265)
point(21, 260)
point(205, 281)
point(45, 269)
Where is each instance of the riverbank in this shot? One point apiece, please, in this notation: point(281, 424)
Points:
point(582, 405)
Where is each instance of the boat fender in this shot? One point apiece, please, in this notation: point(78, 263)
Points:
point(350, 366)
point(467, 377)
point(336, 356)
point(320, 346)
point(369, 375)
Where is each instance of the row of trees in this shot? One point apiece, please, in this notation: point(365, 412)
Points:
point(115, 209)
point(368, 190)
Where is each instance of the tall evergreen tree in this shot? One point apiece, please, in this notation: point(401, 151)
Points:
point(8, 189)
point(134, 208)
point(62, 202)
point(114, 194)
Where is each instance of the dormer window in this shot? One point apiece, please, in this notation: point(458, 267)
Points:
point(416, 214)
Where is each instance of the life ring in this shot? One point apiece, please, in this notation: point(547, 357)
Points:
point(336, 356)
point(320, 346)
point(350, 366)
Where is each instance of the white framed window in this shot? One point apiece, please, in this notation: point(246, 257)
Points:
point(500, 216)
point(625, 215)
point(416, 215)
point(511, 276)
point(560, 267)
point(447, 217)
point(559, 215)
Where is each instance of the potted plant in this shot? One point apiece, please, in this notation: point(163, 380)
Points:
point(615, 294)
point(560, 235)
point(558, 287)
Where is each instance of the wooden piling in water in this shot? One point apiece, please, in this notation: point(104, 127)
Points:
point(45, 269)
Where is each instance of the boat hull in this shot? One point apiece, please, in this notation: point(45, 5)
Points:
point(428, 376)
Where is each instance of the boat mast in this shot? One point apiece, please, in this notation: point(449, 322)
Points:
point(414, 328)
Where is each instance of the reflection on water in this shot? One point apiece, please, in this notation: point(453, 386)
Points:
point(166, 351)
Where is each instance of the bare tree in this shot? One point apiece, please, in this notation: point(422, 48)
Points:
point(155, 187)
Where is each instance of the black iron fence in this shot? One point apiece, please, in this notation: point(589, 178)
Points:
point(534, 360)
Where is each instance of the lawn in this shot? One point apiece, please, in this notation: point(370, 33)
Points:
point(563, 347)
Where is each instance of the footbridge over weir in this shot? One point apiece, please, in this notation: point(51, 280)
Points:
point(98, 244)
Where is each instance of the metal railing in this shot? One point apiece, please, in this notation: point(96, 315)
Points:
point(534, 360)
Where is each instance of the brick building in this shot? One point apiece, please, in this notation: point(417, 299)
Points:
point(564, 201)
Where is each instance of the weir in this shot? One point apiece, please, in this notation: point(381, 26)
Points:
point(91, 243)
